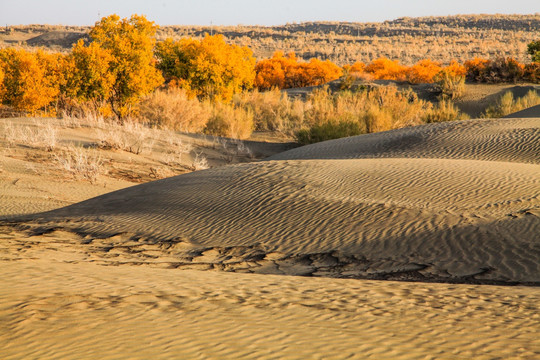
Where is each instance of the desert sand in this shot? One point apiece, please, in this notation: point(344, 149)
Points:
point(199, 265)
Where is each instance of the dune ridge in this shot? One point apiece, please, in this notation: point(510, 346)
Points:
point(455, 202)
point(508, 140)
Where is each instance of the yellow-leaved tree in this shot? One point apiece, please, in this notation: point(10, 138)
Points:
point(130, 43)
point(2, 87)
point(30, 80)
point(207, 68)
point(284, 71)
point(88, 74)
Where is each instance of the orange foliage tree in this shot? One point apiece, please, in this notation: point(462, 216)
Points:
point(286, 72)
point(476, 68)
point(495, 71)
point(423, 72)
point(131, 44)
point(2, 87)
point(30, 80)
point(386, 69)
point(88, 74)
point(209, 68)
point(357, 68)
point(455, 69)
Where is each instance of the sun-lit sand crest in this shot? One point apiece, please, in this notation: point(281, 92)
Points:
point(453, 202)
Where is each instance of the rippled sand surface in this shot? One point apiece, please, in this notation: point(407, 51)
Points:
point(452, 208)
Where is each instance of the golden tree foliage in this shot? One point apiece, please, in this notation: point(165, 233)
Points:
point(31, 80)
point(88, 75)
point(455, 69)
point(2, 87)
point(286, 72)
point(207, 68)
point(357, 68)
point(423, 72)
point(386, 69)
point(475, 68)
point(131, 44)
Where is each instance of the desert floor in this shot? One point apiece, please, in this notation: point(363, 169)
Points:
point(297, 256)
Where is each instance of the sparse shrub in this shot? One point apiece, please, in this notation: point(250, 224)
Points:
point(41, 135)
point(449, 84)
point(230, 121)
point(200, 162)
point(533, 49)
point(128, 136)
point(444, 110)
point(272, 110)
point(175, 148)
point(507, 104)
point(173, 109)
point(328, 131)
point(80, 163)
point(495, 71)
point(532, 72)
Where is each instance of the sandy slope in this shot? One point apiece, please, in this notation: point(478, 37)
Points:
point(532, 112)
point(57, 310)
point(509, 140)
point(432, 218)
point(455, 202)
point(448, 218)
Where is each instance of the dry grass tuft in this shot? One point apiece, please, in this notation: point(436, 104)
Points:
point(507, 104)
point(174, 109)
point(445, 110)
point(128, 136)
point(41, 135)
point(81, 163)
point(200, 162)
point(230, 121)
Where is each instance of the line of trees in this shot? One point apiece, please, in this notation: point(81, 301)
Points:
point(122, 63)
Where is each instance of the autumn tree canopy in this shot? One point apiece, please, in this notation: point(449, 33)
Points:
point(30, 79)
point(285, 71)
point(88, 75)
point(208, 68)
point(130, 43)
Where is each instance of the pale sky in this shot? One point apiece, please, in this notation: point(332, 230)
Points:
point(247, 12)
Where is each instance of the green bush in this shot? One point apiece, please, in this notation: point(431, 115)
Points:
point(449, 85)
point(328, 131)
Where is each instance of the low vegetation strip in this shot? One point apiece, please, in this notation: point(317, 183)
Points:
point(210, 86)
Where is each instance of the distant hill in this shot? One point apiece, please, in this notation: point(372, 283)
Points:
point(445, 38)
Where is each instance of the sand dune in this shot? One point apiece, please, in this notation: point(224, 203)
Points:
point(57, 310)
point(118, 275)
point(514, 140)
point(456, 218)
point(532, 112)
